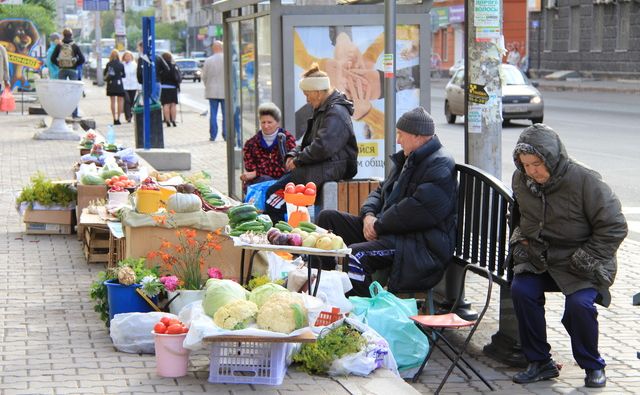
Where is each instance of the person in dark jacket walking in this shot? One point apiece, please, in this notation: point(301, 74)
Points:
point(113, 75)
point(328, 151)
point(67, 56)
point(569, 227)
point(409, 222)
point(170, 87)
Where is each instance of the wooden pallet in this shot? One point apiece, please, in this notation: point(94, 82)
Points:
point(351, 194)
point(96, 244)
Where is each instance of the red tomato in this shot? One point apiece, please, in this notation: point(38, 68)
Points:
point(165, 320)
point(123, 177)
point(174, 329)
point(289, 189)
point(115, 178)
point(119, 184)
point(310, 192)
point(300, 193)
point(311, 185)
point(160, 328)
point(290, 184)
point(300, 188)
point(174, 321)
point(185, 329)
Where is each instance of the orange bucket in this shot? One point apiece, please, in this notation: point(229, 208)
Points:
point(148, 201)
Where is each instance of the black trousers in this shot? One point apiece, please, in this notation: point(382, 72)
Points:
point(129, 97)
point(366, 256)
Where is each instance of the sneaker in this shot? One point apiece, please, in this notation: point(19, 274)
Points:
point(595, 378)
point(537, 371)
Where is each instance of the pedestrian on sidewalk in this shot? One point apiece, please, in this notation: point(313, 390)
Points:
point(113, 75)
point(130, 83)
point(4, 67)
point(54, 40)
point(569, 227)
point(170, 87)
point(213, 80)
point(68, 56)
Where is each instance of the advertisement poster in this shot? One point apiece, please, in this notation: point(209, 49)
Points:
point(21, 39)
point(353, 56)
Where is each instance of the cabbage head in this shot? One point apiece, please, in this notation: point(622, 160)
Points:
point(260, 294)
point(221, 292)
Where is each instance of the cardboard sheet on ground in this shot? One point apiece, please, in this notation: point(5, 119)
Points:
point(201, 325)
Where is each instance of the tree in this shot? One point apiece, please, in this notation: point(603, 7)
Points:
point(171, 31)
point(48, 5)
point(35, 13)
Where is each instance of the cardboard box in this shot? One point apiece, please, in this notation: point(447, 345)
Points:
point(49, 221)
point(87, 193)
point(140, 241)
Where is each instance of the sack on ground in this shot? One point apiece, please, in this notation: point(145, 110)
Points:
point(65, 56)
point(132, 332)
point(389, 316)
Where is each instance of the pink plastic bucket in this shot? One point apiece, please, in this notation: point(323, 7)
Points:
point(171, 357)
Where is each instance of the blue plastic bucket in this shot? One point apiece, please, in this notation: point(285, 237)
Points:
point(125, 299)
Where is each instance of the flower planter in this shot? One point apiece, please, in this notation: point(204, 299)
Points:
point(49, 94)
point(184, 297)
point(125, 299)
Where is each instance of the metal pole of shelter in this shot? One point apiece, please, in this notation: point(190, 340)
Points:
point(148, 74)
point(98, 30)
point(389, 83)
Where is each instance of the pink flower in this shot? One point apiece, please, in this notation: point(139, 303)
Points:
point(214, 272)
point(170, 282)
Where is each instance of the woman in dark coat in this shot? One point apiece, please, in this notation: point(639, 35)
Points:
point(113, 75)
point(570, 225)
point(170, 81)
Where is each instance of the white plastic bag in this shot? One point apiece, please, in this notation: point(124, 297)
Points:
point(132, 332)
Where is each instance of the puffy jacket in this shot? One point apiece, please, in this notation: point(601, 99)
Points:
point(328, 151)
point(573, 223)
point(417, 208)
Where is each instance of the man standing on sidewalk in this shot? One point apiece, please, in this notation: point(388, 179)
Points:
point(54, 38)
point(213, 80)
point(68, 57)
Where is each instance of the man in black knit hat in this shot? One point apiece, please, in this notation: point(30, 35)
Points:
point(409, 222)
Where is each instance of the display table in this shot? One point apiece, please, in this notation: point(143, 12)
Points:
point(255, 248)
point(99, 242)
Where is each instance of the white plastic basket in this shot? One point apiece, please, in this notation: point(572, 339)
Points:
point(248, 363)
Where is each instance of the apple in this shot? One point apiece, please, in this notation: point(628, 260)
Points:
point(336, 242)
point(311, 185)
point(289, 189)
point(310, 192)
point(300, 188)
point(324, 243)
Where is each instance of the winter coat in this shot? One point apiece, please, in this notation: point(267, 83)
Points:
point(573, 223)
point(328, 151)
point(416, 206)
point(113, 75)
point(267, 160)
point(213, 77)
point(168, 79)
point(77, 53)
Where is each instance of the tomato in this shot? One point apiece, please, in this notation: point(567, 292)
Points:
point(300, 193)
point(185, 329)
point(310, 192)
point(123, 177)
point(300, 188)
point(174, 321)
point(119, 184)
point(311, 185)
point(174, 329)
point(115, 178)
point(165, 320)
point(289, 189)
point(290, 184)
point(160, 328)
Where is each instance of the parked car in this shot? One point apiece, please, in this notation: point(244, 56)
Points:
point(520, 98)
point(189, 69)
point(459, 64)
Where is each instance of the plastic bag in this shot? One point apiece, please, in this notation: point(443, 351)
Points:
point(132, 332)
point(128, 156)
point(389, 316)
point(110, 168)
point(257, 193)
point(7, 101)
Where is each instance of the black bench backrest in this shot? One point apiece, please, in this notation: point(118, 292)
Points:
point(483, 222)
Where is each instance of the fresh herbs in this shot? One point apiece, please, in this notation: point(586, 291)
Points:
point(316, 358)
point(255, 282)
point(46, 192)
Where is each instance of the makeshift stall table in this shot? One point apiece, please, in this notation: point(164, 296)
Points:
point(255, 248)
point(99, 243)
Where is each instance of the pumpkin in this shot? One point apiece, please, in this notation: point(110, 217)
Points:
point(184, 203)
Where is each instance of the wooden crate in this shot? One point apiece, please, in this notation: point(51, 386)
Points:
point(351, 194)
point(96, 244)
point(117, 249)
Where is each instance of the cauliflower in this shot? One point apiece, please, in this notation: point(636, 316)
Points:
point(260, 294)
point(282, 312)
point(235, 315)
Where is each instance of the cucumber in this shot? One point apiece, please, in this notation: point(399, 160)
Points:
point(236, 233)
point(307, 224)
point(215, 202)
point(243, 217)
point(243, 208)
point(250, 225)
point(284, 226)
point(212, 195)
point(265, 221)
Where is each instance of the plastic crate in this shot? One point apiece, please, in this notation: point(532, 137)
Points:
point(328, 317)
point(248, 363)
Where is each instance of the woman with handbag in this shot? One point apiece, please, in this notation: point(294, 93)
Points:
point(130, 83)
point(113, 75)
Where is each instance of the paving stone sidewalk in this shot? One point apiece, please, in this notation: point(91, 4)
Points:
point(52, 342)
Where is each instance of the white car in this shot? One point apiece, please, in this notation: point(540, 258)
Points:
point(520, 98)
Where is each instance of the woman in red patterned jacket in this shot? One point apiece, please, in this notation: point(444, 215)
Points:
point(264, 153)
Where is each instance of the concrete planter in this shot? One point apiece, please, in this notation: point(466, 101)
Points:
point(59, 98)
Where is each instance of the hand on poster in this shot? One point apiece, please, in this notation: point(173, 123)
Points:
point(359, 91)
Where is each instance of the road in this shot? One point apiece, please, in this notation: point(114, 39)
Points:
point(598, 129)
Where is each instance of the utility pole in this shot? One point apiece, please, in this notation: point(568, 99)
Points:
point(119, 25)
point(98, 28)
point(389, 66)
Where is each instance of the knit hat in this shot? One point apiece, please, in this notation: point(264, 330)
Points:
point(416, 121)
point(319, 83)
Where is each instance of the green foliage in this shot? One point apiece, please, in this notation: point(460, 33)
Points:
point(171, 31)
point(40, 16)
point(48, 5)
point(47, 193)
point(316, 358)
point(255, 282)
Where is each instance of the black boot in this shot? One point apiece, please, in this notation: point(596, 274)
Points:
point(174, 124)
point(537, 371)
point(168, 123)
point(595, 378)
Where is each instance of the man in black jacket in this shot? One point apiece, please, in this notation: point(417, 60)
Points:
point(409, 222)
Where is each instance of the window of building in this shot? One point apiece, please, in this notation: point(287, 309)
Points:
point(548, 29)
point(622, 31)
point(597, 28)
point(574, 29)
point(444, 46)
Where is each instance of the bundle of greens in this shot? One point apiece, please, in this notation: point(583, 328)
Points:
point(316, 358)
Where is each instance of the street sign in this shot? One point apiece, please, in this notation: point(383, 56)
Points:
point(95, 5)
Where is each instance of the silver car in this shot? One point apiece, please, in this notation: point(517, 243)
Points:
point(520, 98)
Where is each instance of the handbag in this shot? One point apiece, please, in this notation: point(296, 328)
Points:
point(7, 101)
point(389, 316)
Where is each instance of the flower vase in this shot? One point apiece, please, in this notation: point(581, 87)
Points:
point(184, 297)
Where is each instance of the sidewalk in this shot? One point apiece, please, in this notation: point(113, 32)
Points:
point(54, 343)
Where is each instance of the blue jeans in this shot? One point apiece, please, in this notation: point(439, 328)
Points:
point(580, 319)
point(213, 120)
point(71, 74)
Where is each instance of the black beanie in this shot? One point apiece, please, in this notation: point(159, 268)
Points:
point(417, 121)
